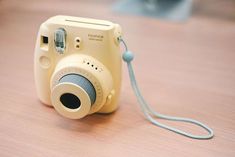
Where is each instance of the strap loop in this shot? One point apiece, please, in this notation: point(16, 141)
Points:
point(150, 113)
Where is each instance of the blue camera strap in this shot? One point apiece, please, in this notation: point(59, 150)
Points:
point(150, 113)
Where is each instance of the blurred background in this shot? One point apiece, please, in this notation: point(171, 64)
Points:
point(184, 64)
point(167, 32)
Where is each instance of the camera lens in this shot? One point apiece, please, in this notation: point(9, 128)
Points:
point(73, 96)
point(70, 101)
point(82, 82)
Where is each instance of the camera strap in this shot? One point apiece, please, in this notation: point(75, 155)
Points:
point(149, 113)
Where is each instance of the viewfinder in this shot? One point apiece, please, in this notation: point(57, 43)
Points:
point(45, 40)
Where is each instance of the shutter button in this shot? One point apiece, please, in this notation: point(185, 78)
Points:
point(109, 97)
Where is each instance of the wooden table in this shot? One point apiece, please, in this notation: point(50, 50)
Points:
point(184, 69)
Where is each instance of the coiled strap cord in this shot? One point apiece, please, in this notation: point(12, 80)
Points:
point(150, 113)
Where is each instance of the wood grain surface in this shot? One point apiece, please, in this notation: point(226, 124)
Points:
point(184, 69)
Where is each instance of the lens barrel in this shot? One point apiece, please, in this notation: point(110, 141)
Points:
point(73, 96)
point(70, 100)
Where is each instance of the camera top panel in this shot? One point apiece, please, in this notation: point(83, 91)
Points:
point(80, 22)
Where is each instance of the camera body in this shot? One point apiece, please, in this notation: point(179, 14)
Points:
point(77, 65)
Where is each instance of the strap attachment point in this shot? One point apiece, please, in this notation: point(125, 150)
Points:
point(127, 56)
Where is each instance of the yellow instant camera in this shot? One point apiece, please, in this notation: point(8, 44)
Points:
point(77, 65)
